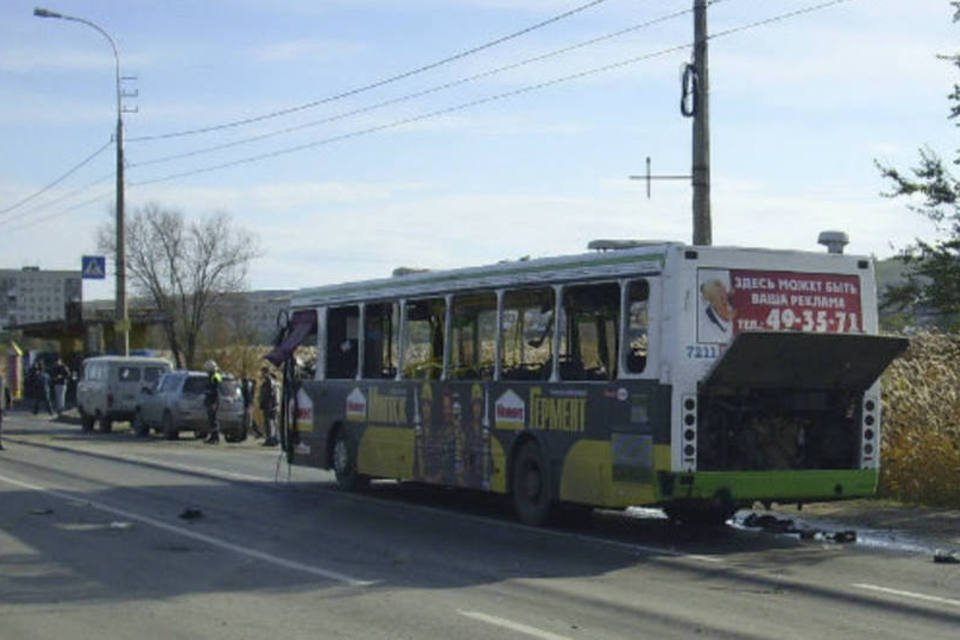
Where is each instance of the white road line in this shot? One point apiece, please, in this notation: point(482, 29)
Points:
point(173, 466)
point(513, 626)
point(186, 533)
point(907, 594)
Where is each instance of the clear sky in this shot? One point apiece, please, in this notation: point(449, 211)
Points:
point(373, 166)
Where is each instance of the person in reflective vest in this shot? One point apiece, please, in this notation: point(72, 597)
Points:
point(211, 400)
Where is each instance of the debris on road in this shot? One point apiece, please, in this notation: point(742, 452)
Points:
point(773, 524)
point(942, 556)
point(191, 513)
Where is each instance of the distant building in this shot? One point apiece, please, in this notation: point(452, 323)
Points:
point(250, 316)
point(253, 314)
point(29, 295)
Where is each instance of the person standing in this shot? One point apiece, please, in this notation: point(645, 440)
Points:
point(268, 406)
point(3, 407)
point(60, 374)
point(40, 387)
point(211, 400)
point(247, 390)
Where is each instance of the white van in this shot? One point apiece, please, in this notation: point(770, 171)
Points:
point(110, 385)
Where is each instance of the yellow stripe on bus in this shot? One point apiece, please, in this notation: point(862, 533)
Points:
point(587, 476)
point(386, 452)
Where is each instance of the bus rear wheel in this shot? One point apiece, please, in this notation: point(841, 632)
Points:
point(532, 495)
point(345, 464)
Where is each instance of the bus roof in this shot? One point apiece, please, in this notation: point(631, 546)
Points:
point(617, 262)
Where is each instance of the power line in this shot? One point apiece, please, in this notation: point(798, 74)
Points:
point(374, 85)
point(777, 18)
point(32, 223)
point(482, 101)
point(66, 175)
point(69, 194)
point(415, 119)
point(412, 96)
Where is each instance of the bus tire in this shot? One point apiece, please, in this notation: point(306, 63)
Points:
point(106, 424)
point(530, 485)
point(86, 422)
point(345, 463)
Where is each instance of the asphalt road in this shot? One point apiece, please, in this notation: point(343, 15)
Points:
point(93, 545)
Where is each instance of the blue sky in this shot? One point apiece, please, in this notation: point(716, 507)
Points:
point(800, 109)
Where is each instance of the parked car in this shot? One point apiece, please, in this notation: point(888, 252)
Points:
point(109, 387)
point(175, 404)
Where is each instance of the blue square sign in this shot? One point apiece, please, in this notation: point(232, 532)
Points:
point(93, 267)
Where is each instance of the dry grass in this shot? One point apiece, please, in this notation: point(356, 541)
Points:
point(921, 423)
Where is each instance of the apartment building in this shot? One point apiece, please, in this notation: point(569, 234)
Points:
point(30, 295)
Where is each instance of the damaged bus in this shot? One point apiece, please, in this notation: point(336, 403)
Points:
point(693, 378)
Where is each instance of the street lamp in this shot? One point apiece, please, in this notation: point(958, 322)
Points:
point(120, 313)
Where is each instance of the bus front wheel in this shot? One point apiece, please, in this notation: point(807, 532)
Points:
point(345, 464)
point(532, 495)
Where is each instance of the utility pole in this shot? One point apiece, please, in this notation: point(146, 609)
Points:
point(702, 234)
point(122, 321)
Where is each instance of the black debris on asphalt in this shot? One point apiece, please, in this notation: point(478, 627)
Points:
point(773, 524)
point(191, 513)
point(941, 556)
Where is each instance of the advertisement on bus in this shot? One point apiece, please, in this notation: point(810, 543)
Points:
point(734, 301)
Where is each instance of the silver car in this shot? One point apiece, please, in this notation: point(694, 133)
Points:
point(176, 404)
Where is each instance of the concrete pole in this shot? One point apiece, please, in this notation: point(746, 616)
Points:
point(702, 233)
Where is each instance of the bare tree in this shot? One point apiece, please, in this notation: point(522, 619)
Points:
point(184, 268)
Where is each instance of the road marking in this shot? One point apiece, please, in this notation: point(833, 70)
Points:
point(513, 626)
point(155, 462)
point(907, 594)
point(186, 533)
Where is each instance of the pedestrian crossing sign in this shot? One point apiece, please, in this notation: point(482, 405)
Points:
point(93, 267)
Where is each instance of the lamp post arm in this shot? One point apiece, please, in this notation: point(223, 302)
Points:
point(46, 13)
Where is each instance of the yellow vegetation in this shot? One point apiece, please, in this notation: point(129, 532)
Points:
point(920, 459)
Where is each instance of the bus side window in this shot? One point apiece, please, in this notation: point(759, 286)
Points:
point(474, 335)
point(380, 340)
point(527, 340)
point(423, 339)
point(590, 325)
point(342, 346)
point(638, 300)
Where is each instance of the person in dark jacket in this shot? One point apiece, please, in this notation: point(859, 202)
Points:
point(39, 384)
point(3, 407)
point(268, 406)
point(248, 388)
point(60, 375)
point(211, 400)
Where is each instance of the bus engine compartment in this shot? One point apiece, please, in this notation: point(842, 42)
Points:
point(779, 429)
point(791, 401)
